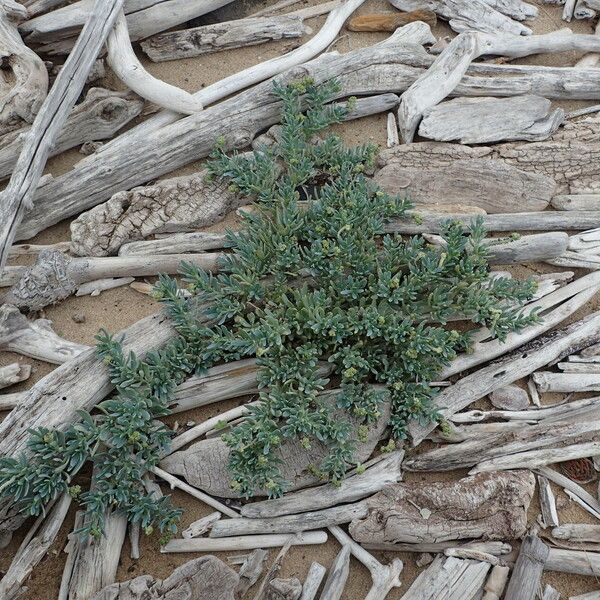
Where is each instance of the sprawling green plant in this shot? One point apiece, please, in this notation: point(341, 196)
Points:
point(311, 277)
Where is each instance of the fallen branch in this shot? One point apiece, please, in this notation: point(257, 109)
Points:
point(527, 573)
point(338, 575)
point(178, 243)
point(578, 532)
point(567, 382)
point(313, 580)
point(13, 373)
point(547, 502)
point(494, 548)
point(573, 561)
point(9, 401)
point(251, 571)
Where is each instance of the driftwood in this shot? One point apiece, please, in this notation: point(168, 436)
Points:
point(494, 548)
point(14, 373)
point(450, 578)
point(24, 86)
point(547, 502)
point(577, 532)
point(487, 506)
point(127, 67)
point(527, 574)
point(313, 580)
point(383, 473)
point(337, 576)
point(207, 39)
point(55, 277)
point(201, 526)
point(92, 565)
point(33, 549)
point(550, 593)
point(392, 131)
point(390, 21)
point(496, 582)
point(9, 401)
point(246, 542)
point(284, 589)
point(205, 578)
point(484, 120)
point(576, 202)
point(573, 561)
point(98, 117)
point(567, 382)
point(177, 243)
point(35, 339)
point(18, 195)
point(35, 7)
point(273, 570)
point(250, 571)
point(97, 286)
point(205, 463)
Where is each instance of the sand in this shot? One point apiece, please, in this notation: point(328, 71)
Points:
point(116, 309)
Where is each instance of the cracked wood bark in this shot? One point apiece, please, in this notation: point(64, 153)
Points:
point(205, 578)
point(24, 85)
point(205, 464)
point(18, 195)
point(98, 117)
point(127, 67)
point(33, 549)
point(470, 14)
point(208, 39)
point(246, 542)
point(55, 276)
point(485, 120)
point(145, 18)
point(489, 506)
point(92, 564)
point(527, 573)
point(14, 373)
point(381, 474)
point(525, 360)
point(573, 561)
point(337, 576)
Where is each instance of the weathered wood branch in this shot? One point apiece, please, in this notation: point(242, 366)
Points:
point(313, 580)
point(547, 502)
point(9, 401)
point(337, 576)
point(547, 381)
point(573, 561)
point(496, 582)
point(250, 571)
point(177, 243)
point(13, 373)
point(19, 194)
point(576, 202)
point(577, 532)
point(127, 67)
point(527, 573)
point(494, 548)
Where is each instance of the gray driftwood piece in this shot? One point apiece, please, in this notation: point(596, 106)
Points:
point(484, 120)
point(283, 589)
point(376, 477)
point(205, 463)
point(449, 578)
point(467, 15)
point(577, 532)
point(54, 276)
point(337, 576)
point(33, 549)
point(313, 580)
point(250, 571)
point(25, 83)
point(34, 338)
point(92, 564)
point(176, 243)
point(490, 506)
point(573, 561)
point(19, 194)
point(9, 401)
point(205, 578)
point(35, 7)
point(98, 117)
point(527, 573)
point(547, 502)
point(576, 202)
point(14, 373)
point(547, 381)
point(207, 39)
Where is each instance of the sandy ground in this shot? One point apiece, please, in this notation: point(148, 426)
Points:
point(116, 309)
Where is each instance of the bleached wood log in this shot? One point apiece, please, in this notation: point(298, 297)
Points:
point(578, 532)
point(315, 576)
point(251, 571)
point(464, 15)
point(575, 260)
point(98, 117)
point(484, 120)
point(247, 542)
point(472, 555)
point(9, 401)
point(585, 368)
point(55, 277)
point(528, 570)
point(567, 382)
point(495, 548)
point(19, 193)
point(208, 39)
point(568, 9)
point(337, 576)
point(496, 582)
point(33, 549)
point(547, 502)
point(97, 286)
point(576, 202)
point(93, 563)
point(570, 486)
point(14, 373)
point(25, 84)
point(489, 184)
point(493, 507)
point(177, 243)
point(127, 67)
point(273, 570)
point(201, 526)
point(35, 339)
point(356, 487)
point(146, 17)
point(284, 589)
point(573, 561)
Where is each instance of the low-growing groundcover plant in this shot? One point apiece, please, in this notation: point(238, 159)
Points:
point(310, 277)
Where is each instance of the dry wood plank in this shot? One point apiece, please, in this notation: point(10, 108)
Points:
point(527, 574)
point(18, 195)
point(313, 580)
point(177, 243)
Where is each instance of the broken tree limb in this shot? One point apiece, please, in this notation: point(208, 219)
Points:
point(35, 339)
point(98, 117)
point(484, 506)
point(55, 276)
point(13, 373)
point(527, 573)
point(127, 67)
point(337, 576)
point(313, 580)
point(247, 542)
point(97, 286)
point(19, 194)
point(485, 120)
point(356, 487)
point(25, 82)
point(250, 571)
point(201, 526)
point(33, 549)
point(206, 39)
point(177, 243)
point(573, 561)
point(567, 382)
